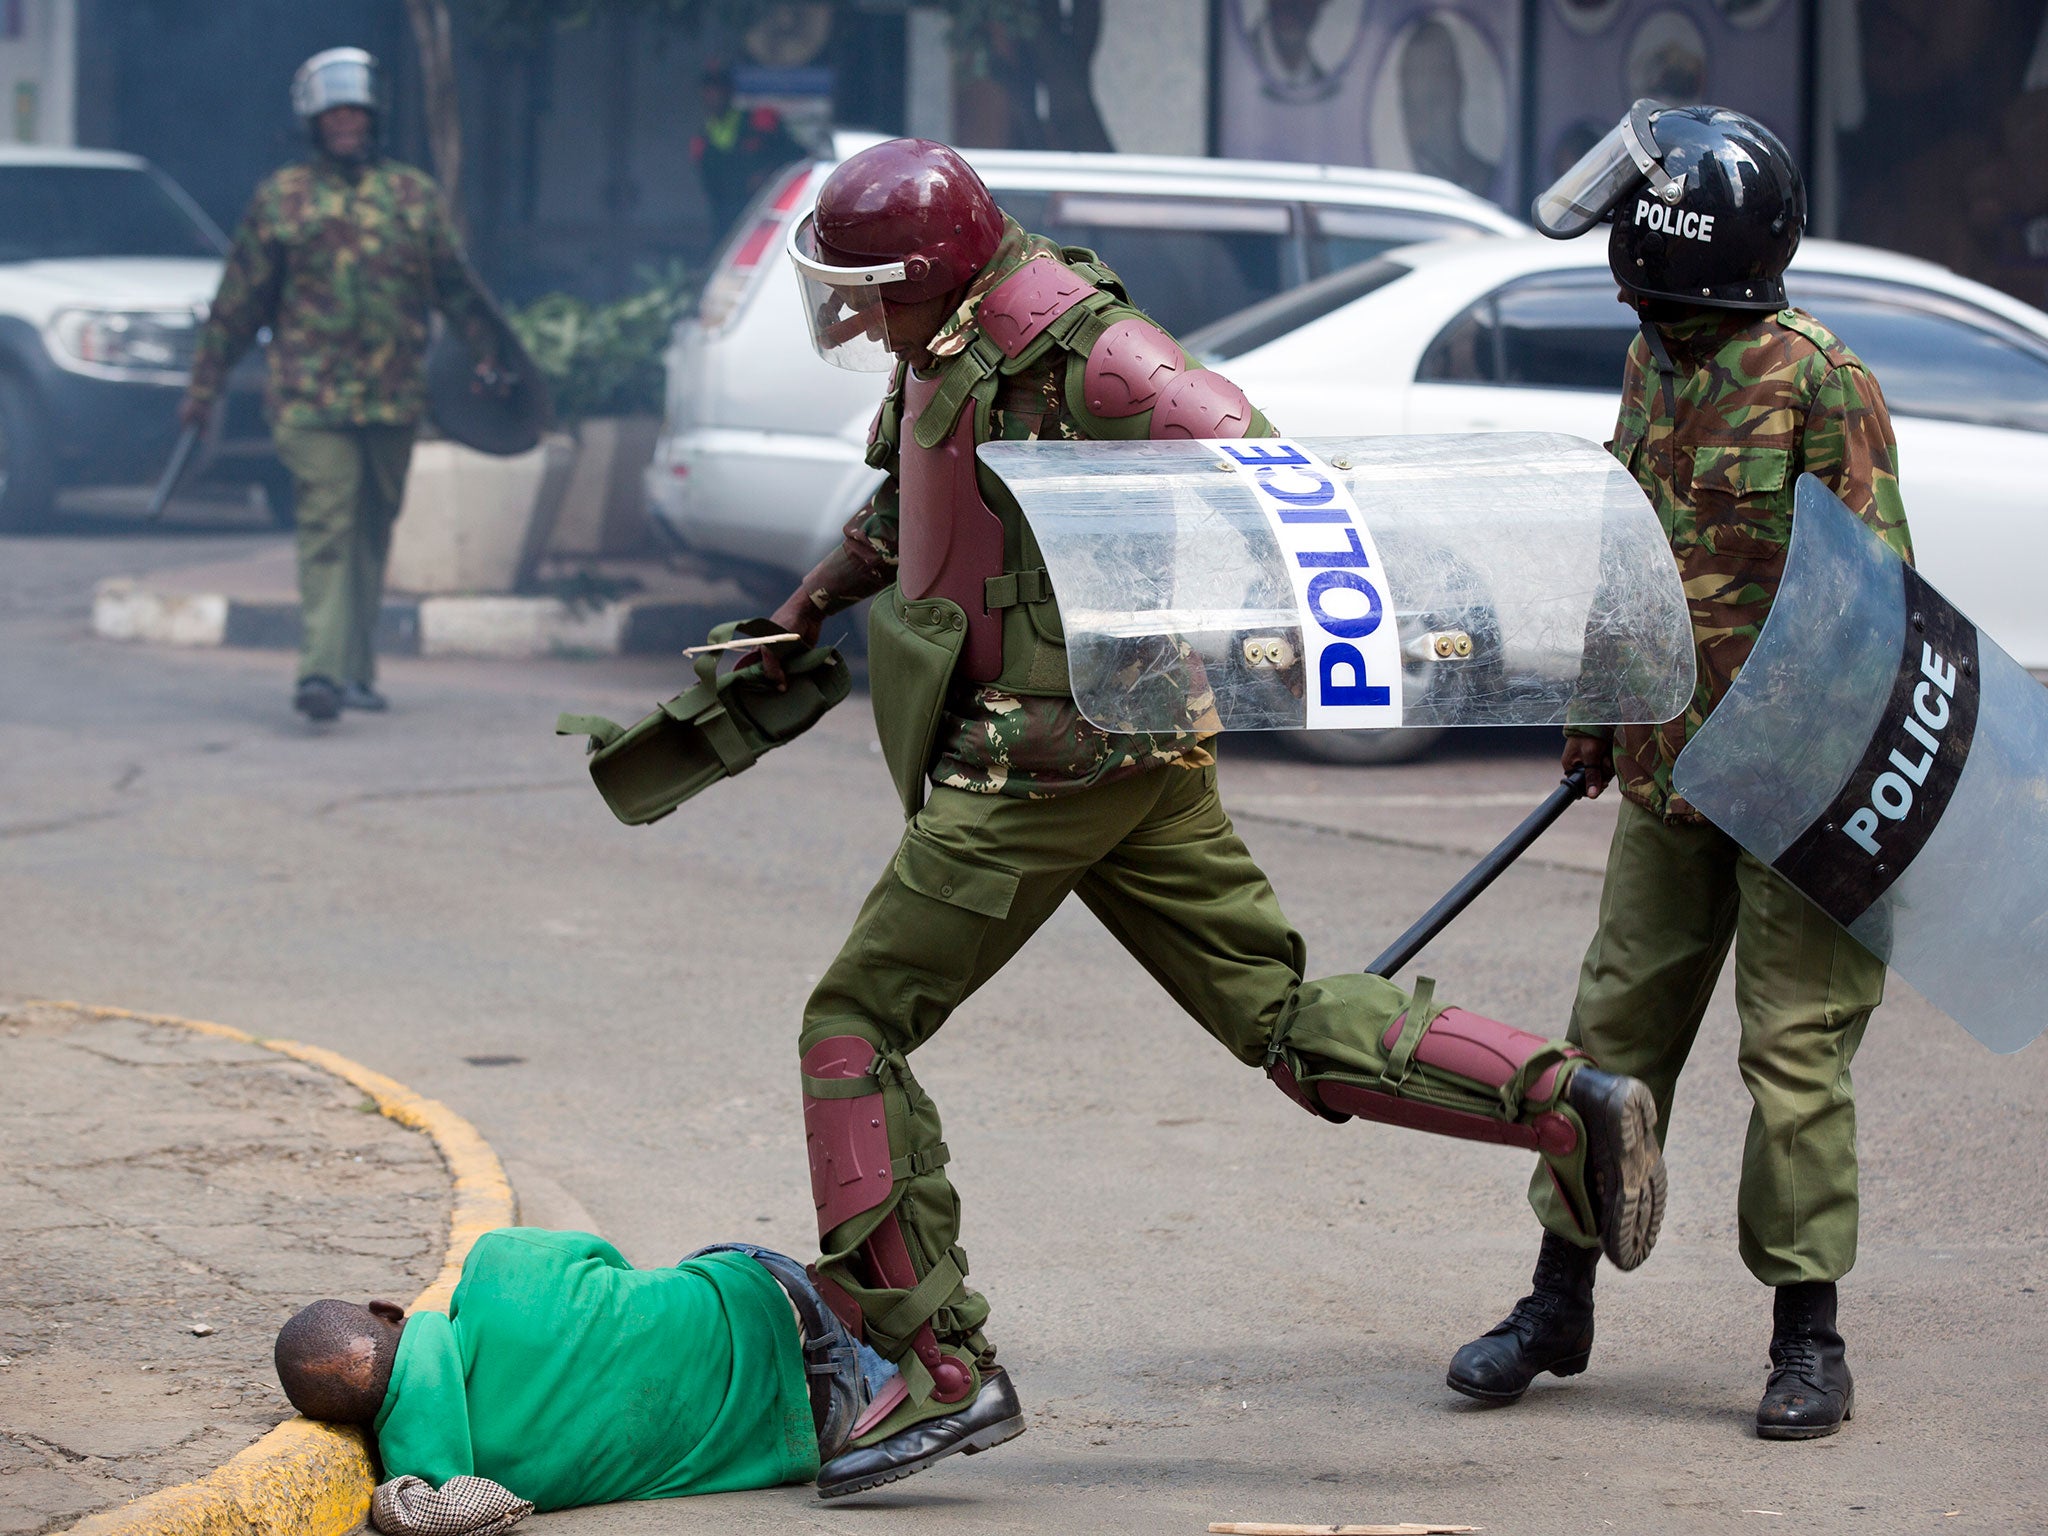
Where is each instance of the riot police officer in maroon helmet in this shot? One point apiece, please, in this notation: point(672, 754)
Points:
point(1015, 800)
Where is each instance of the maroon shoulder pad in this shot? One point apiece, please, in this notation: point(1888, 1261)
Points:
point(1130, 365)
point(1017, 310)
point(1201, 403)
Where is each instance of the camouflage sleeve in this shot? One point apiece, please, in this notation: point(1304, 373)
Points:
point(1847, 441)
point(244, 304)
point(1627, 431)
point(457, 292)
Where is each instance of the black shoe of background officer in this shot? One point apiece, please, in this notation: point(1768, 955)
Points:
point(990, 1417)
point(1809, 1393)
point(363, 696)
point(1550, 1329)
point(317, 698)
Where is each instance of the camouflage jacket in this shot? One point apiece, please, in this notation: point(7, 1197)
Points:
point(344, 269)
point(1718, 445)
point(993, 741)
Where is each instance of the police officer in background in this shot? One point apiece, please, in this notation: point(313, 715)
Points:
point(737, 149)
point(1016, 800)
point(343, 257)
point(1729, 396)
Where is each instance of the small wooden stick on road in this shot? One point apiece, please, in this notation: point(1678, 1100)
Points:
point(1265, 1528)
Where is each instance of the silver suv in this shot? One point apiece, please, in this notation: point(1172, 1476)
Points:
point(759, 461)
point(106, 271)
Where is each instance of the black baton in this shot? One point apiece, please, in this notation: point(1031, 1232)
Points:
point(1480, 876)
point(181, 459)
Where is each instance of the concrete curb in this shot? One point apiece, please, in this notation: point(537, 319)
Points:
point(303, 1478)
point(124, 608)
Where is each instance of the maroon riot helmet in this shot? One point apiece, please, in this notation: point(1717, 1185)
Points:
point(904, 221)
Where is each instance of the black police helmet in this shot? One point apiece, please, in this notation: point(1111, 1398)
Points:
point(1724, 240)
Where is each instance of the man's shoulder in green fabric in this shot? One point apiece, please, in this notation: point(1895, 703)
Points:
point(423, 1426)
point(538, 1245)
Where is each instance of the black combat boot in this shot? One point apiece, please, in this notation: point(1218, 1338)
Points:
point(1809, 1393)
point(987, 1419)
point(1551, 1329)
point(317, 698)
point(1624, 1161)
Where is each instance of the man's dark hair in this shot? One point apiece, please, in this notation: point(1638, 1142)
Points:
point(334, 1361)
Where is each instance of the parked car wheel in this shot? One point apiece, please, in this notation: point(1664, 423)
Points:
point(28, 475)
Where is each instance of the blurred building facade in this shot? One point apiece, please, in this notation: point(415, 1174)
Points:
point(1923, 123)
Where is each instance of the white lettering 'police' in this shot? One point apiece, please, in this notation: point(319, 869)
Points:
point(1350, 639)
point(1682, 222)
point(1891, 796)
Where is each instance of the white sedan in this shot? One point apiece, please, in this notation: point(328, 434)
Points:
point(1528, 335)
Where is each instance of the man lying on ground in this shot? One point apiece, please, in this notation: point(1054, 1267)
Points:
point(561, 1375)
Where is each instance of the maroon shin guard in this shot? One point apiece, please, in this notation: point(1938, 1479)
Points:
point(851, 1174)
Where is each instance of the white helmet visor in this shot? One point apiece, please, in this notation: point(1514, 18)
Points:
point(1624, 158)
point(843, 305)
point(340, 77)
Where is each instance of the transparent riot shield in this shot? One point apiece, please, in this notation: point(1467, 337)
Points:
point(1888, 759)
point(1347, 583)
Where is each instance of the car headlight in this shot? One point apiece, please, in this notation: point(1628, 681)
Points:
point(153, 344)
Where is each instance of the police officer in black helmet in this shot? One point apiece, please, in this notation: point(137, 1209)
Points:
point(1729, 396)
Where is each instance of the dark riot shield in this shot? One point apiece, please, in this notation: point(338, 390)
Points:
point(1885, 756)
point(503, 419)
point(1355, 583)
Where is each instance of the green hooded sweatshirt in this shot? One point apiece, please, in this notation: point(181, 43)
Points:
point(572, 1378)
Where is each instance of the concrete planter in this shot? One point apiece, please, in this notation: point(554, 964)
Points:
point(604, 511)
point(472, 522)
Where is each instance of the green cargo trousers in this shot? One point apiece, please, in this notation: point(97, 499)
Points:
point(1156, 859)
point(1676, 896)
point(350, 481)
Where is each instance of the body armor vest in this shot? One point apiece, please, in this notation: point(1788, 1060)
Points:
point(950, 542)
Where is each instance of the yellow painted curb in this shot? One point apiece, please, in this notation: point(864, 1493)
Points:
point(303, 1478)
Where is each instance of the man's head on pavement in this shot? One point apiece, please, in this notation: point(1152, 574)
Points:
point(334, 1358)
point(900, 231)
point(344, 132)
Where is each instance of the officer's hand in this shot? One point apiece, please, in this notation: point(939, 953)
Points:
point(192, 411)
point(798, 616)
point(1593, 755)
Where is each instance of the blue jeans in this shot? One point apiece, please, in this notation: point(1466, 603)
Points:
point(875, 1372)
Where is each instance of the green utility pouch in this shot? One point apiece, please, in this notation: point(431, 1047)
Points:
point(719, 728)
point(912, 650)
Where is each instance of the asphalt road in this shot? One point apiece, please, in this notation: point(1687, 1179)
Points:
point(1214, 1307)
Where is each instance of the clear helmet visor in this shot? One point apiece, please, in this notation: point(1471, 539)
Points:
point(344, 77)
point(842, 305)
point(1623, 159)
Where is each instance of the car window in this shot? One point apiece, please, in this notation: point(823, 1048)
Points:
point(1545, 333)
point(49, 212)
point(1275, 317)
point(1343, 237)
point(1185, 260)
point(1930, 362)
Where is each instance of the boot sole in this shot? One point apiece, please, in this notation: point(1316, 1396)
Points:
point(1635, 1205)
point(1572, 1365)
point(983, 1440)
point(1809, 1431)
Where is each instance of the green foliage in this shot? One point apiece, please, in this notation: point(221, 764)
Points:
point(605, 359)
